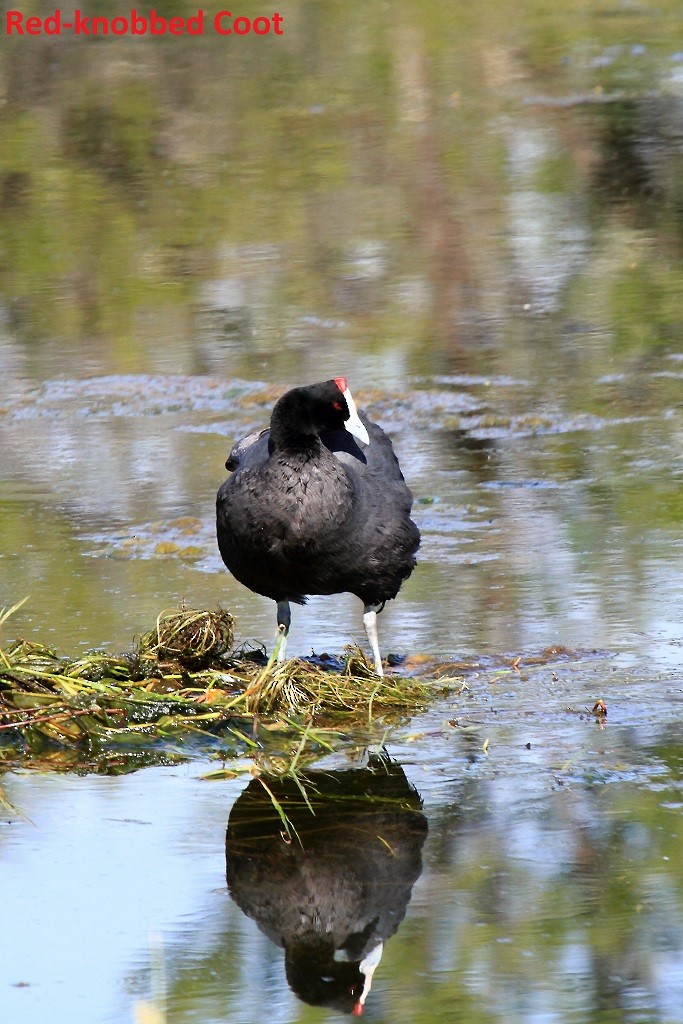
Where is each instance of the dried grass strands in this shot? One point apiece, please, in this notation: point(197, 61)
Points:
point(184, 680)
point(189, 636)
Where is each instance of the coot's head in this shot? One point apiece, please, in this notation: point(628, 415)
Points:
point(302, 414)
point(318, 975)
point(318, 981)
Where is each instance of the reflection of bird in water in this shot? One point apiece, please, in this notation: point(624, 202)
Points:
point(338, 886)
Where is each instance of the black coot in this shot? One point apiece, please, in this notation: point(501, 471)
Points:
point(318, 505)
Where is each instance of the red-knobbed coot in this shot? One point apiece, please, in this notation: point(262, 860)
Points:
point(317, 504)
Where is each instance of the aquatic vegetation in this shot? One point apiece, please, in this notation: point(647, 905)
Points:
point(183, 683)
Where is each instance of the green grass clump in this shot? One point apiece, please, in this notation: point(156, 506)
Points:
point(183, 681)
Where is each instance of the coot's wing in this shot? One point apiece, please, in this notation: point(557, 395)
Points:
point(344, 446)
point(377, 459)
point(381, 460)
point(249, 451)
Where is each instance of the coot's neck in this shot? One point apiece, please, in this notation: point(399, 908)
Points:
point(291, 427)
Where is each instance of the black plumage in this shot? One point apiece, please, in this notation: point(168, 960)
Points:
point(333, 891)
point(317, 504)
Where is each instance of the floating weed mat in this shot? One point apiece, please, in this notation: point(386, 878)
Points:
point(355, 694)
point(182, 688)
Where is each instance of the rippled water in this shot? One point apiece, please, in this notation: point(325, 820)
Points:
point(550, 883)
point(478, 222)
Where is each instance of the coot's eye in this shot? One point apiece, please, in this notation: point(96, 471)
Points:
point(337, 406)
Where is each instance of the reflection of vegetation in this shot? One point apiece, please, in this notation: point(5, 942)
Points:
point(572, 902)
point(567, 918)
point(372, 160)
point(117, 136)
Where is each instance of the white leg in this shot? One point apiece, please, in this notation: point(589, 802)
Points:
point(370, 623)
point(284, 618)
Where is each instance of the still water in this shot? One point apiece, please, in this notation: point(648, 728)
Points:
point(478, 221)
